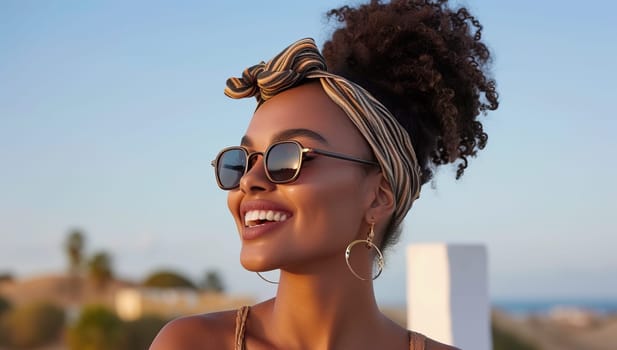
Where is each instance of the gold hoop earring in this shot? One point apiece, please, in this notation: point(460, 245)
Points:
point(369, 244)
point(265, 279)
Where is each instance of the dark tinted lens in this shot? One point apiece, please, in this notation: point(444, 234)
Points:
point(230, 167)
point(283, 161)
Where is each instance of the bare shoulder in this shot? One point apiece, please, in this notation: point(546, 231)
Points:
point(207, 331)
point(435, 345)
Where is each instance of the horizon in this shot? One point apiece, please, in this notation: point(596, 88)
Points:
point(111, 113)
point(524, 303)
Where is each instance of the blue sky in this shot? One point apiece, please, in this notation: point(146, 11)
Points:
point(110, 113)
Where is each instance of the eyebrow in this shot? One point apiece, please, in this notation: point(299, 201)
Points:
point(287, 135)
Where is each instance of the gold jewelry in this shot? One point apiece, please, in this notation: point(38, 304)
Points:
point(265, 279)
point(369, 244)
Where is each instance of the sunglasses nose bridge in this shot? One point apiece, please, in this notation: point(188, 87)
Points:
point(251, 160)
point(255, 177)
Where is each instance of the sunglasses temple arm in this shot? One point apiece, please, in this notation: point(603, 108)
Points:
point(341, 156)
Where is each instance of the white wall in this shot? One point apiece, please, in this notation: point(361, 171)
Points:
point(447, 294)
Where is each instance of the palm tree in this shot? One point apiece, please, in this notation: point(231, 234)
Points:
point(99, 269)
point(74, 247)
point(212, 282)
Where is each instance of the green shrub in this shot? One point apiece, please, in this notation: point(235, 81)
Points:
point(167, 279)
point(6, 277)
point(504, 340)
point(139, 334)
point(97, 328)
point(5, 306)
point(33, 324)
point(4, 334)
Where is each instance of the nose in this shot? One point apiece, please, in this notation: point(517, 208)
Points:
point(255, 179)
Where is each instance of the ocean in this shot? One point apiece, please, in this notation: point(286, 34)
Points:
point(529, 307)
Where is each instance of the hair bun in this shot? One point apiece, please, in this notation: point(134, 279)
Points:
point(426, 63)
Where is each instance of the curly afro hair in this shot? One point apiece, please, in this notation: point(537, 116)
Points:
point(426, 63)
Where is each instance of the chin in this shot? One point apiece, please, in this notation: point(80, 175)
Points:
point(256, 261)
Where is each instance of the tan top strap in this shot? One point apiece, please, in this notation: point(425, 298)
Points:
point(241, 317)
point(417, 341)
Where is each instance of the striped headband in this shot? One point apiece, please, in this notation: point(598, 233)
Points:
point(388, 140)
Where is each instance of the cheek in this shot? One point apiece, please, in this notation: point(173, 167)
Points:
point(330, 213)
point(233, 203)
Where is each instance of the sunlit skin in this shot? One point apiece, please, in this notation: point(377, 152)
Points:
point(328, 202)
point(319, 304)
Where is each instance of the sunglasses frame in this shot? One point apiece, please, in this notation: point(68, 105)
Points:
point(303, 151)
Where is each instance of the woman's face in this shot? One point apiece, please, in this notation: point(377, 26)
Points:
point(324, 209)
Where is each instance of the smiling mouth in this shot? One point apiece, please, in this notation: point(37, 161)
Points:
point(259, 217)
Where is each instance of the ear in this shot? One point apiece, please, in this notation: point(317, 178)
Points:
point(382, 205)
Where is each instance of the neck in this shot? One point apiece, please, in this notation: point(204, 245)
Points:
point(324, 310)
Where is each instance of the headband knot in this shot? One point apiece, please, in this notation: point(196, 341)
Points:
point(389, 141)
point(286, 70)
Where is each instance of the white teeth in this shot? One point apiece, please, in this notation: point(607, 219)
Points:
point(252, 216)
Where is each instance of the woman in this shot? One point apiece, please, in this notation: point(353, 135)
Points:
point(327, 170)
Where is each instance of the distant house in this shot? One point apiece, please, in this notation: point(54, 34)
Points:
point(134, 302)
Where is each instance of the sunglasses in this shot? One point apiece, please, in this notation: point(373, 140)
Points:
point(282, 162)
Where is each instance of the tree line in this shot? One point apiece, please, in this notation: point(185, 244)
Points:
point(98, 267)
